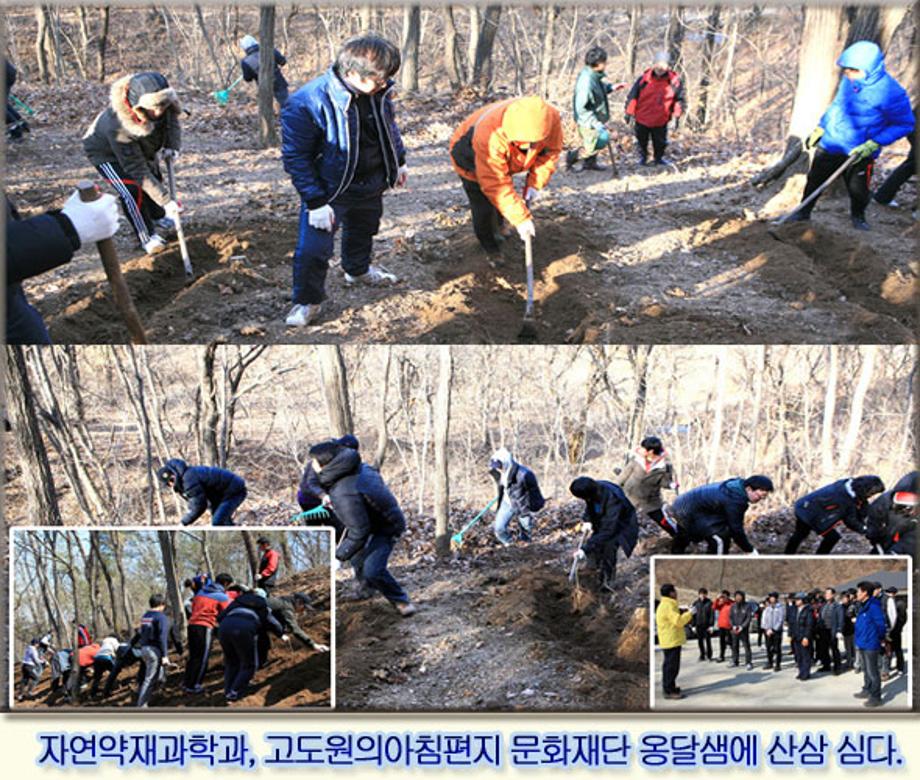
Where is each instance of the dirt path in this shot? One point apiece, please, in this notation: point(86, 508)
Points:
point(670, 255)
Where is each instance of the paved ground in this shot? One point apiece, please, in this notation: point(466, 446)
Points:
point(719, 686)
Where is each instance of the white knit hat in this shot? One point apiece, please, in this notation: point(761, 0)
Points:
point(247, 41)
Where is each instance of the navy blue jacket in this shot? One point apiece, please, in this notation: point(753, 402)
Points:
point(523, 489)
point(875, 108)
point(830, 506)
point(802, 624)
point(613, 519)
point(155, 631)
point(716, 509)
point(203, 486)
point(362, 502)
point(33, 246)
point(250, 65)
point(870, 626)
point(250, 612)
point(889, 527)
point(319, 128)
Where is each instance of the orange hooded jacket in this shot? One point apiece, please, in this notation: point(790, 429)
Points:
point(484, 149)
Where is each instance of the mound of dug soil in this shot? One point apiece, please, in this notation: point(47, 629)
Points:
point(291, 677)
point(503, 631)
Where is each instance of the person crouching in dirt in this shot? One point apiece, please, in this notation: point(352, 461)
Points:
point(655, 99)
point(591, 110)
point(32, 668)
point(714, 514)
point(869, 111)
point(240, 624)
point(250, 67)
point(342, 149)
point(613, 526)
point(497, 141)
point(648, 470)
point(203, 487)
point(371, 515)
point(670, 622)
point(518, 496)
point(891, 523)
point(286, 610)
point(845, 502)
point(123, 142)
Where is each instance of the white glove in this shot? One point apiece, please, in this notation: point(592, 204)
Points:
point(585, 527)
point(173, 209)
point(526, 230)
point(530, 195)
point(839, 635)
point(336, 564)
point(693, 609)
point(320, 648)
point(322, 218)
point(93, 221)
point(402, 175)
point(170, 154)
point(580, 554)
point(165, 660)
point(327, 501)
point(285, 638)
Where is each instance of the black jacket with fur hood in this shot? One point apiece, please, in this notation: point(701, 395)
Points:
point(121, 134)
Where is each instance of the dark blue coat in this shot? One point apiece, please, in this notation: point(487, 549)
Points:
point(831, 505)
point(802, 624)
point(250, 67)
point(716, 509)
point(155, 631)
point(523, 489)
point(319, 128)
point(203, 486)
point(874, 108)
point(613, 519)
point(249, 612)
point(870, 626)
point(33, 246)
point(362, 502)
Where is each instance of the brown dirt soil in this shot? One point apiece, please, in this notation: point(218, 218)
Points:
point(503, 630)
point(290, 679)
point(679, 254)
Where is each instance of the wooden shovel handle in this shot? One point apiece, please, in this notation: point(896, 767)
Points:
point(120, 292)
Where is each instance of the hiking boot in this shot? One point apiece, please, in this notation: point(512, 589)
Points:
point(165, 225)
point(571, 157)
point(406, 609)
point(376, 276)
point(872, 703)
point(859, 223)
point(154, 245)
point(302, 314)
point(591, 164)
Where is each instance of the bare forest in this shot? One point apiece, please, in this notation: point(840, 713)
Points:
point(682, 254)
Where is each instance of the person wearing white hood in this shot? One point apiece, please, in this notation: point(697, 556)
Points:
point(250, 67)
point(519, 496)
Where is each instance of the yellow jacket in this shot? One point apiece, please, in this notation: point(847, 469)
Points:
point(670, 623)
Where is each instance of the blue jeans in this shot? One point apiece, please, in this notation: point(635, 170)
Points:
point(371, 566)
point(223, 513)
point(357, 213)
point(503, 517)
point(872, 673)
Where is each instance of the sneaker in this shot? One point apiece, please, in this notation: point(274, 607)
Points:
point(154, 245)
point(860, 223)
point(872, 703)
point(674, 696)
point(165, 225)
point(375, 275)
point(231, 696)
point(749, 667)
point(891, 204)
point(302, 314)
point(768, 667)
point(861, 695)
point(406, 609)
point(571, 157)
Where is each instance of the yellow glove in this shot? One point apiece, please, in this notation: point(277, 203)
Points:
point(812, 141)
point(865, 150)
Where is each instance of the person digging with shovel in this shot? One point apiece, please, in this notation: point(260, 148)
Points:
point(497, 141)
point(614, 526)
point(869, 111)
point(342, 149)
point(250, 67)
point(591, 110)
point(124, 142)
point(518, 497)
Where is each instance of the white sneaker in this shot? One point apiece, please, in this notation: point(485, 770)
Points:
point(303, 314)
point(376, 275)
point(155, 244)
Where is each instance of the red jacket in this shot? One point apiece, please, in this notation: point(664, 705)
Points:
point(207, 604)
point(723, 608)
point(654, 100)
point(86, 654)
point(269, 563)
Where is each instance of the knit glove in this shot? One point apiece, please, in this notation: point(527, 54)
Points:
point(812, 141)
point(322, 218)
point(530, 195)
point(526, 230)
point(865, 150)
point(93, 220)
point(402, 176)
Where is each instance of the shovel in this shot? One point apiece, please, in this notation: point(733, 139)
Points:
point(528, 326)
point(811, 198)
point(223, 95)
point(186, 261)
point(318, 513)
point(614, 171)
point(457, 538)
point(24, 106)
point(573, 572)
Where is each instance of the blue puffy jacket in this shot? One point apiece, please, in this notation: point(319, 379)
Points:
point(874, 108)
point(716, 509)
point(319, 128)
point(825, 508)
point(870, 626)
point(202, 486)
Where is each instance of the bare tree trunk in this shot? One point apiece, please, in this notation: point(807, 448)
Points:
point(451, 49)
point(755, 412)
point(551, 13)
point(383, 435)
point(412, 28)
point(674, 36)
point(485, 44)
point(715, 442)
point(252, 554)
point(335, 388)
point(365, 17)
point(441, 461)
point(827, 422)
point(268, 133)
point(639, 357)
point(167, 540)
point(856, 408)
point(41, 36)
point(475, 22)
point(41, 498)
point(102, 44)
point(199, 15)
point(632, 40)
point(890, 19)
point(210, 414)
point(712, 28)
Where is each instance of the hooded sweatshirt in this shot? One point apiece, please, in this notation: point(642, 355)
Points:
point(485, 149)
point(123, 135)
point(516, 482)
point(873, 108)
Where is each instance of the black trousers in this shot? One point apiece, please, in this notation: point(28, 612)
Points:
point(802, 659)
point(659, 139)
point(897, 650)
point(487, 221)
point(101, 665)
point(704, 640)
point(895, 179)
point(658, 516)
point(139, 208)
point(775, 649)
point(850, 646)
point(856, 178)
point(670, 668)
point(742, 638)
point(801, 532)
point(826, 649)
point(725, 641)
point(717, 544)
point(199, 650)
